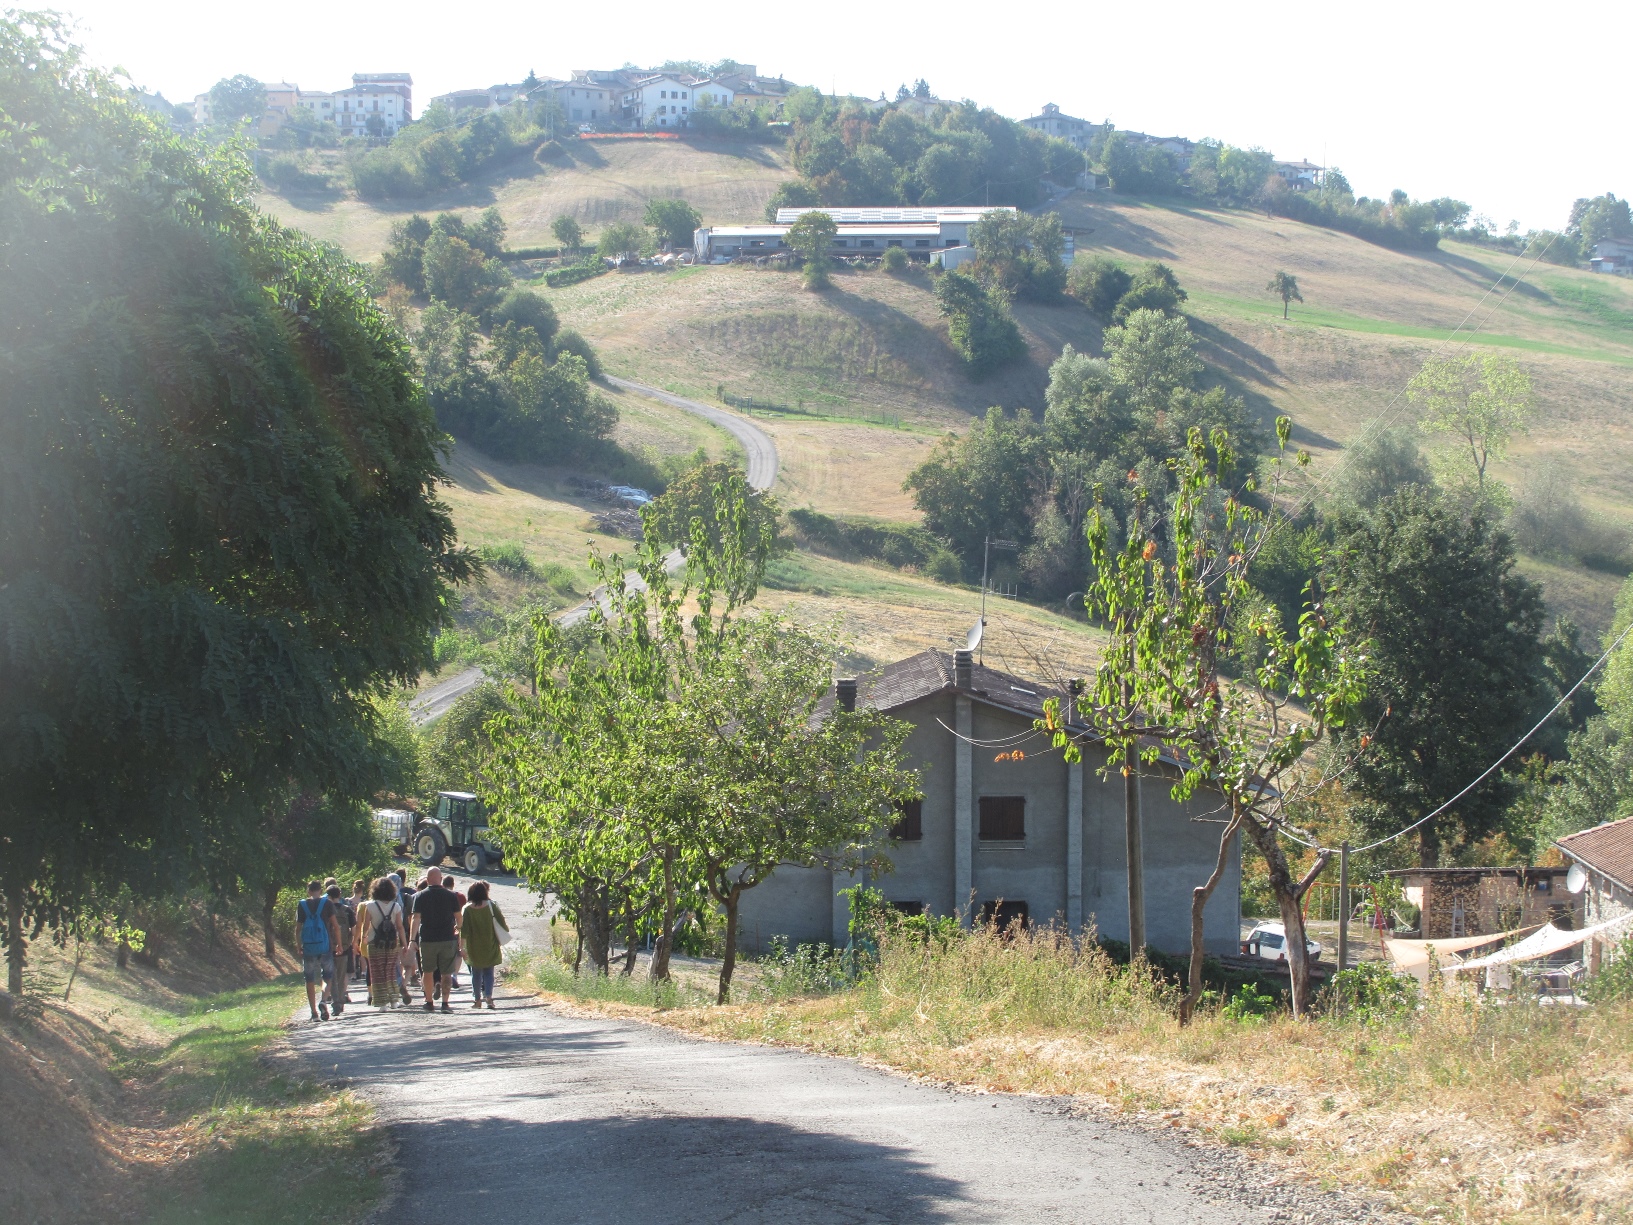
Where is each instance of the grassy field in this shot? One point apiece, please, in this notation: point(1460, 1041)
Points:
point(605, 181)
point(162, 1094)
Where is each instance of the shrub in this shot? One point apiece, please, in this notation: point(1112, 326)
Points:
point(898, 546)
point(1370, 992)
point(570, 341)
point(1250, 1004)
point(586, 268)
point(1098, 283)
point(894, 261)
point(527, 310)
point(982, 331)
point(509, 559)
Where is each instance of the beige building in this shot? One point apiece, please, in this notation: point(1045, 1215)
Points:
point(1456, 902)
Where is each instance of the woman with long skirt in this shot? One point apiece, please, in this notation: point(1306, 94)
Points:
point(381, 938)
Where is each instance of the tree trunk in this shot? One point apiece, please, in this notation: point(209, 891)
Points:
point(1199, 902)
point(596, 924)
point(578, 949)
point(729, 962)
point(631, 949)
point(269, 903)
point(16, 947)
point(1289, 893)
point(1428, 845)
point(658, 971)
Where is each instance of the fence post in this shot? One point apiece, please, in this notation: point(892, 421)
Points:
point(1343, 906)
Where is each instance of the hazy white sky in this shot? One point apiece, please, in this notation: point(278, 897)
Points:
point(1518, 110)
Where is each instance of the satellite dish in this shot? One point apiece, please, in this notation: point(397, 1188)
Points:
point(973, 639)
point(1576, 880)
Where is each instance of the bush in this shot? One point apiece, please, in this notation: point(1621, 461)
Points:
point(527, 310)
point(516, 253)
point(1098, 283)
point(570, 341)
point(1370, 992)
point(894, 261)
point(590, 266)
point(902, 547)
point(979, 324)
point(510, 559)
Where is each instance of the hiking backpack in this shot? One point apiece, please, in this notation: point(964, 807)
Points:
point(314, 931)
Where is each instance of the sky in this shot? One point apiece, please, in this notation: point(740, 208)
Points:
point(1516, 112)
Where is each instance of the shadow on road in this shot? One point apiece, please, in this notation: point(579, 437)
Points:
point(673, 1168)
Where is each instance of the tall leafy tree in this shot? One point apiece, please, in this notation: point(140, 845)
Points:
point(235, 100)
point(979, 485)
point(1455, 653)
point(672, 221)
point(568, 232)
point(812, 238)
point(1480, 401)
point(979, 325)
point(219, 529)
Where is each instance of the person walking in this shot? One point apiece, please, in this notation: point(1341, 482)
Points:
point(479, 929)
point(319, 936)
point(452, 886)
point(436, 932)
point(360, 899)
point(407, 967)
point(381, 937)
point(345, 923)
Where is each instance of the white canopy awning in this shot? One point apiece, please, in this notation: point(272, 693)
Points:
point(1544, 942)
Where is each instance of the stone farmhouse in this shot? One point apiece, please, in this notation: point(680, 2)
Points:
point(1026, 838)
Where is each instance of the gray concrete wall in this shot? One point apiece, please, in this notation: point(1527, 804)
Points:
point(1179, 851)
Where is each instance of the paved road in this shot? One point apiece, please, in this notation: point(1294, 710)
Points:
point(433, 701)
point(762, 452)
point(528, 1115)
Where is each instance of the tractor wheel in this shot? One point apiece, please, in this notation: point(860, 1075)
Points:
point(476, 860)
point(429, 846)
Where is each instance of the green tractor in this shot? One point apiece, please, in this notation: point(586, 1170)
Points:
point(458, 826)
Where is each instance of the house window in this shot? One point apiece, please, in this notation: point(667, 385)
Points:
point(1003, 818)
point(866, 242)
point(914, 907)
point(910, 827)
point(922, 242)
point(894, 242)
point(840, 242)
point(1004, 913)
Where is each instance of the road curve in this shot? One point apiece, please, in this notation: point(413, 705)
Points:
point(435, 700)
point(757, 444)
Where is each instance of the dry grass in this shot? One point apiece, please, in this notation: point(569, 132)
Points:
point(605, 182)
point(1474, 1113)
point(843, 468)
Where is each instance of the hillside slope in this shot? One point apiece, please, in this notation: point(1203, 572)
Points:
point(602, 182)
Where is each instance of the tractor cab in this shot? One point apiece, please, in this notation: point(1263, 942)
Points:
point(457, 825)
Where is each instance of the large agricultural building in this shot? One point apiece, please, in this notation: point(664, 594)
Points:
point(862, 231)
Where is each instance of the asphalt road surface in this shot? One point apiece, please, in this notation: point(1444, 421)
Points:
point(761, 451)
point(434, 700)
point(525, 1114)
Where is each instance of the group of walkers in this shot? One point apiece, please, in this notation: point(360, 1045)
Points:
point(394, 937)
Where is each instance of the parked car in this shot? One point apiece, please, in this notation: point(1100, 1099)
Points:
point(630, 495)
point(586, 128)
point(1269, 941)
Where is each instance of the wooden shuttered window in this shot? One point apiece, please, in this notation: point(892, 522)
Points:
point(910, 826)
point(1003, 818)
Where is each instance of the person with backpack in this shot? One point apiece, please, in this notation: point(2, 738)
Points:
point(359, 899)
point(480, 925)
point(381, 936)
point(319, 934)
point(345, 921)
point(436, 931)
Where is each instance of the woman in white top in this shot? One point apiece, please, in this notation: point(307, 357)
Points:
point(380, 938)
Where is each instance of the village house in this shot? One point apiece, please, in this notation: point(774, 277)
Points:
point(1457, 902)
point(1300, 175)
point(377, 104)
point(663, 101)
point(1079, 133)
point(1016, 836)
point(1605, 856)
point(585, 101)
point(1611, 255)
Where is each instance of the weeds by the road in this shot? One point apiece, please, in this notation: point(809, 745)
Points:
point(262, 1141)
point(1470, 1109)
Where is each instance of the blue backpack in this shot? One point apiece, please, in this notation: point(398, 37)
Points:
point(314, 931)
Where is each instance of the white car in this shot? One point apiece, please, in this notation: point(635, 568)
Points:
point(1269, 941)
point(630, 495)
point(586, 128)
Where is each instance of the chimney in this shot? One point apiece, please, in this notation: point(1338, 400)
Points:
point(963, 664)
point(845, 692)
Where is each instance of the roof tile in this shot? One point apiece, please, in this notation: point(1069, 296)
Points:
point(1607, 848)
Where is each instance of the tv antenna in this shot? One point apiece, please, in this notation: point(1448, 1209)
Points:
point(986, 554)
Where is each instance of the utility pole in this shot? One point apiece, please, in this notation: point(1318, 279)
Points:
point(1343, 906)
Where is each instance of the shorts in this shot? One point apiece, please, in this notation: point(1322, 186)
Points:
point(319, 967)
point(437, 955)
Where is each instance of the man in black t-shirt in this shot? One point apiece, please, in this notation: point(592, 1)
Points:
point(436, 930)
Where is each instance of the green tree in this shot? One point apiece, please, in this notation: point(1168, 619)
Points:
point(1285, 286)
point(219, 527)
point(1098, 283)
point(979, 485)
point(1022, 254)
point(404, 258)
point(458, 273)
point(697, 496)
point(236, 100)
point(1480, 401)
point(1154, 287)
point(457, 745)
point(1602, 217)
point(1454, 632)
point(812, 238)
point(1151, 356)
point(672, 222)
point(568, 233)
point(790, 195)
point(621, 240)
point(982, 331)
point(526, 309)
point(1170, 595)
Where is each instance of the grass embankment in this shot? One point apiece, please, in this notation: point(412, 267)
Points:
point(1472, 1112)
point(150, 1097)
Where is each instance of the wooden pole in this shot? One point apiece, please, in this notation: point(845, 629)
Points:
point(1136, 853)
